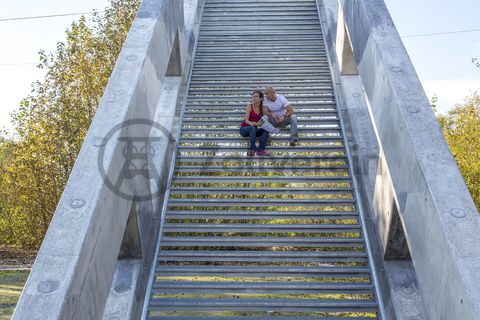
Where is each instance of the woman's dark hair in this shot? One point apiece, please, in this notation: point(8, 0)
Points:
point(260, 94)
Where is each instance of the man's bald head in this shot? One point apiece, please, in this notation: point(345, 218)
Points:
point(270, 93)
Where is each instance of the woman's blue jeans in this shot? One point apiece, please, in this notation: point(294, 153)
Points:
point(254, 132)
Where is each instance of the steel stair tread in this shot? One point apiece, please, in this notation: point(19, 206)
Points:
point(256, 202)
point(272, 169)
point(320, 139)
point(207, 190)
point(255, 270)
point(261, 160)
point(265, 215)
point(263, 286)
point(242, 179)
point(293, 305)
point(260, 242)
point(253, 229)
point(267, 255)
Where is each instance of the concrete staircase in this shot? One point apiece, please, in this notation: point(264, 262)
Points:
point(276, 237)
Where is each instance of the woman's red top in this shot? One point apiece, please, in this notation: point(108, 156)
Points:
point(252, 117)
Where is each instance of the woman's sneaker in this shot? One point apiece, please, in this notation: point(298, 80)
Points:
point(251, 153)
point(262, 153)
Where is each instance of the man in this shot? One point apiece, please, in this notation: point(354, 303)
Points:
point(280, 113)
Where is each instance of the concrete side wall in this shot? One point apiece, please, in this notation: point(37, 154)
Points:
point(437, 214)
point(74, 269)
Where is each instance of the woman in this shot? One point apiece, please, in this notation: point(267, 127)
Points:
point(249, 126)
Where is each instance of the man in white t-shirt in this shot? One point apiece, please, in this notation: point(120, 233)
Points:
point(280, 113)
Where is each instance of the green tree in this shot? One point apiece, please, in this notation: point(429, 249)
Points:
point(51, 123)
point(6, 149)
point(461, 129)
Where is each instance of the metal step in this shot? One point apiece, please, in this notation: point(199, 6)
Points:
point(266, 191)
point(266, 67)
point(258, 228)
point(260, 58)
point(286, 305)
point(264, 256)
point(272, 77)
point(301, 130)
point(241, 271)
point(292, 7)
point(228, 105)
point(273, 169)
point(244, 91)
point(273, 149)
point(234, 139)
point(300, 44)
point(262, 242)
point(253, 3)
point(260, 215)
point(265, 179)
point(285, 49)
point(212, 203)
point(237, 99)
point(233, 216)
point(263, 287)
point(252, 161)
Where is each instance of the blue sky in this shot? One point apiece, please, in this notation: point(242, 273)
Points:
point(443, 63)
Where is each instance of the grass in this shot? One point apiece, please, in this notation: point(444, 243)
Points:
point(11, 285)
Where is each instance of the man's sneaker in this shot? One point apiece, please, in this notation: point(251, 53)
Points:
point(294, 142)
point(262, 153)
point(251, 153)
point(269, 141)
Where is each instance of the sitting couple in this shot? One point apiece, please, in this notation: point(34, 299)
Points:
point(280, 114)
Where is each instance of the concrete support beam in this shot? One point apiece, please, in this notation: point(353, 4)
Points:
point(192, 12)
point(74, 270)
point(441, 224)
point(346, 61)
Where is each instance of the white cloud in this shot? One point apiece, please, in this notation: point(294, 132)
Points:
point(451, 91)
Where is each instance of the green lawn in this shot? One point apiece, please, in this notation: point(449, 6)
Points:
point(11, 285)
